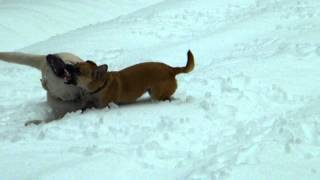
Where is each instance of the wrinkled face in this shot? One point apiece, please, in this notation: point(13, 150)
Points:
point(80, 74)
point(84, 73)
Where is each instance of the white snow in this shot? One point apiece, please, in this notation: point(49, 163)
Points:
point(249, 110)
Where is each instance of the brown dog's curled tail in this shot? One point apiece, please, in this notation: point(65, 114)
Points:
point(188, 68)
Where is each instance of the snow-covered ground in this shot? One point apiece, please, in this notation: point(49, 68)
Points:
point(249, 110)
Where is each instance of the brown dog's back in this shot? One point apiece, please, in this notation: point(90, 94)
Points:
point(155, 77)
point(125, 86)
point(156, 70)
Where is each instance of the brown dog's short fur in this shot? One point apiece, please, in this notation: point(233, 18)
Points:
point(125, 86)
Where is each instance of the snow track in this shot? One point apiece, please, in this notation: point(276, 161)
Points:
point(249, 110)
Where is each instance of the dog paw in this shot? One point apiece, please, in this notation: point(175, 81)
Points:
point(44, 84)
point(35, 122)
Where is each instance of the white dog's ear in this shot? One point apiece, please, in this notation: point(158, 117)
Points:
point(99, 72)
point(57, 65)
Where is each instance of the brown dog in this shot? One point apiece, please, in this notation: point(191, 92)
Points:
point(125, 86)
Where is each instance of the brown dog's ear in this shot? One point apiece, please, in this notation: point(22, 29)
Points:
point(91, 62)
point(102, 67)
point(99, 72)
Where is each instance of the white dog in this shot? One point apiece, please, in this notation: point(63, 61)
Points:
point(62, 98)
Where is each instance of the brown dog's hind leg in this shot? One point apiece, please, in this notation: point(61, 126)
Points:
point(164, 90)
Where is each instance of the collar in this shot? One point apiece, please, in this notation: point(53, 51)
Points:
point(99, 89)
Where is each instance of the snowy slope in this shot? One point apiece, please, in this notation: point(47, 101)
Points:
point(24, 22)
point(249, 110)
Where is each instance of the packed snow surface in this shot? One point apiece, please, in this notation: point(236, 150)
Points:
point(249, 110)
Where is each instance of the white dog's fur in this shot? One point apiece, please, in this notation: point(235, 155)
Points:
point(62, 98)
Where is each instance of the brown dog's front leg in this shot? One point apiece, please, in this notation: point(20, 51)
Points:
point(104, 102)
point(87, 105)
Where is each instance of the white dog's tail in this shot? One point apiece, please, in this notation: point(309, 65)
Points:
point(35, 61)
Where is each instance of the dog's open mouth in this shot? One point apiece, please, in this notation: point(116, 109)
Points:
point(69, 75)
point(57, 65)
point(61, 69)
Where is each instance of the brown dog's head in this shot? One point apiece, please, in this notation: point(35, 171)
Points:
point(86, 75)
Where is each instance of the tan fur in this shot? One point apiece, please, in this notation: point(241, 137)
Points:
point(61, 98)
point(127, 85)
